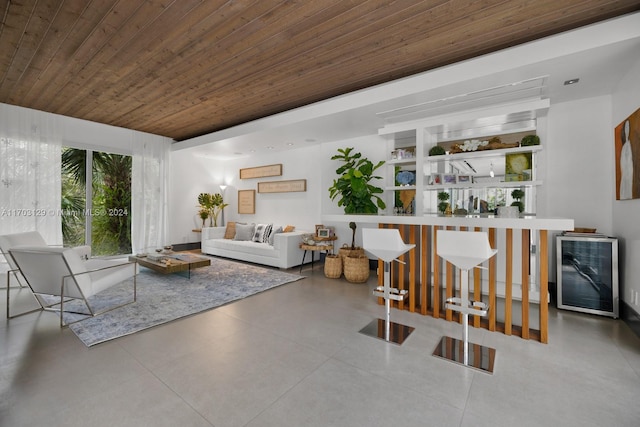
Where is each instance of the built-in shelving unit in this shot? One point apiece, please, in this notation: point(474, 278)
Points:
point(483, 170)
point(484, 153)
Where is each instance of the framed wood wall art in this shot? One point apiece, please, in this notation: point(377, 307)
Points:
point(261, 171)
point(246, 201)
point(282, 186)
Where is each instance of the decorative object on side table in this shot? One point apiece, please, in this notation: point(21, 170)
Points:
point(307, 239)
point(324, 233)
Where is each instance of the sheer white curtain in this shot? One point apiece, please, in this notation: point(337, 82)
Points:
point(149, 185)
point(30, 157)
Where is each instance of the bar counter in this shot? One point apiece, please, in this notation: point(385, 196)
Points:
point(518, 301)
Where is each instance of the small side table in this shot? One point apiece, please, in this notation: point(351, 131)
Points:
point(328, 247)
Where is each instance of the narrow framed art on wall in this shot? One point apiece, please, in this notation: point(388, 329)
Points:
point(627, 153)
point(246, 201)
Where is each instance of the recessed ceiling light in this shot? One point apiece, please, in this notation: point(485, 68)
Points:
point(290, 144)
point(571, 81)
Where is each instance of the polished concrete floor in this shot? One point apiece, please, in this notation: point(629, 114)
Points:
point(292, 356)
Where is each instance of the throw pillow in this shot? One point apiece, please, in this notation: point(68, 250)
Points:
point(261, 233)
point(273, 234)
point(244, 231)
point(230, 232)
point(289, 229)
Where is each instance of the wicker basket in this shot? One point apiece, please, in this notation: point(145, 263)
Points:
point(346, 251)
point(333, 266)
point(356, 268)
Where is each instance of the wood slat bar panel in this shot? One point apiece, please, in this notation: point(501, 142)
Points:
point(492, 281)
point(508, 289)
point(437, 262)
point(477, 288)
point(526, 266)
point(431, 281)
point(544, 287)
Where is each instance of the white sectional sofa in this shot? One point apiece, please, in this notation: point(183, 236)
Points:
point(282, 250)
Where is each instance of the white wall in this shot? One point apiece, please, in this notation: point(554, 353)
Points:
point(372, 147)
point(626, 213)
point(191, 175)
point(579, 175)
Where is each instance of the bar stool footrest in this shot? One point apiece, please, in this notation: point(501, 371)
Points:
point(477, 308)
point(394, 293)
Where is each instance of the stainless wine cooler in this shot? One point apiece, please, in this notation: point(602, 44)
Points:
point(588, 274)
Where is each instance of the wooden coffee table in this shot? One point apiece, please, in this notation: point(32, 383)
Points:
point(177, 263)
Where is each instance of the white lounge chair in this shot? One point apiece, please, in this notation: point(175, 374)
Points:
point(63, 274)
point(28, 238)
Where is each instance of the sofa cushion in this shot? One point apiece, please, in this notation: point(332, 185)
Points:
point(248, 247)
point(230, 231)
point(244, 232)
point(275, 230)
point(262, 232)
point(289, 229)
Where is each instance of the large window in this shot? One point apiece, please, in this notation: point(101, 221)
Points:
point(96, 201)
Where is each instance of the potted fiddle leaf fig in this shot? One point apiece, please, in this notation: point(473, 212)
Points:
point(352, 187)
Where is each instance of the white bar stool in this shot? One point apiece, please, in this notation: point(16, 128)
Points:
point(386, 244)
point(465, 250)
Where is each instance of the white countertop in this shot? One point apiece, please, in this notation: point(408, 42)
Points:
point(530, 223)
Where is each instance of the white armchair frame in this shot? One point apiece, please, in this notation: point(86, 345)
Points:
point(28, 238)
point(63, 274)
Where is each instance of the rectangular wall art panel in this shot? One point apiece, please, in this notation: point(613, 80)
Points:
point(282, 186)
point(261, 171)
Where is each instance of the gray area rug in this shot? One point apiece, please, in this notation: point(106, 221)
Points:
point(163, 298)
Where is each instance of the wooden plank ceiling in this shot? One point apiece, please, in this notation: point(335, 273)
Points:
point(183, 68)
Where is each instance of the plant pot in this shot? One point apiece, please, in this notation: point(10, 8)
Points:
point(356, 268)
point(333, 266)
